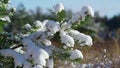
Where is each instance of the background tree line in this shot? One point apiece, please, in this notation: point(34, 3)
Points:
point(99, 26)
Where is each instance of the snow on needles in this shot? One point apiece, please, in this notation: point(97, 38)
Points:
point(76, 54)
point(18, 58)
point(46, 42)
point(38, 54)
point(87, 10)
point(27, 26)
point(38, 66)
point(50, 63)
point(81, 38)
point(66, 39)
point(58, 7)
point(6, 18)
point(37, 23)
point(38, 46)
point(52, 26)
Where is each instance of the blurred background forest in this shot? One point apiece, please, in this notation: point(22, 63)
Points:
point(104, 27)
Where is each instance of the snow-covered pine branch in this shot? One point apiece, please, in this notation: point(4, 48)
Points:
point(75, 54)
point(19, 59)
point(6, 18)
point(66, 39)
point(58, 8)
point(38, 24)
point(40, 52)
point(81, 38)
point(80, 16)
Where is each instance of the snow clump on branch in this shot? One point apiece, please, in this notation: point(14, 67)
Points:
point(38, 54)
point(76, 54)
point(58, 7)
point(19, 59)
point(81, 38)
point(37, 23)
point(66, 39)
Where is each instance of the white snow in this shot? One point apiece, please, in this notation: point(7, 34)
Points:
point(6, 18)
point(38, 23)
point(35, 35)
point(19, 49)
point(74, 18)
point(64, 26)
point(49, 49)
point(105, 50)
point(52, 26)
point(18, 58)
point(83, 65)
point(38, 66)
point(81, 38)
point(27, 26)
point(66, 39)
point(75, 54)
point(39, 60)
point(46, 42)
point(38, 54)
point(58, 7)
point(87, 10)
point(50, 63)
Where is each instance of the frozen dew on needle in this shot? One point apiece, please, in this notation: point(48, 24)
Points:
point(76, 54)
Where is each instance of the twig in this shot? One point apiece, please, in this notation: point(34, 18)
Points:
point(17, 46)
